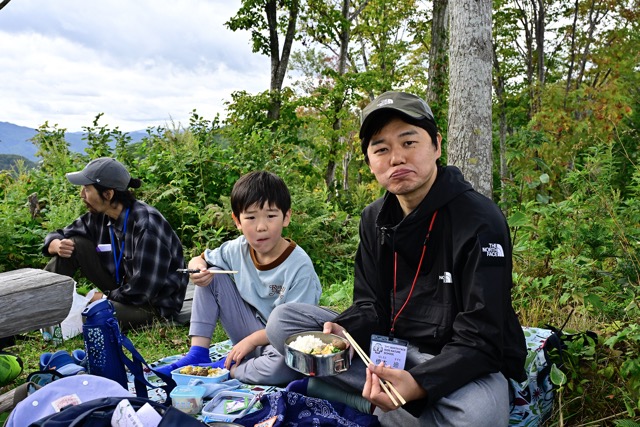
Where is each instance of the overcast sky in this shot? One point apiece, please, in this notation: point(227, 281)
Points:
point(142, 63)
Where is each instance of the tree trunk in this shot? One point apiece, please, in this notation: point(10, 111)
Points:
point(593, 18)
point(470, 55)
point(338, 101)
point(499, 86)
point(539, 29)
point(527, 51)
point(279, 62)
point(3, 3)
point(436, 93)
point(572, 51)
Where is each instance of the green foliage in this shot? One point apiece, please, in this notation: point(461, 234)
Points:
point(184, 174)
point(558, 378)
point(626, 423)
point(570, 189)
point(52, 148)
point(625, 343)
point(100, 138)
point(19, 239)
point(577, 257)
point(381, 27)
point(338, 296)
point(251, 17)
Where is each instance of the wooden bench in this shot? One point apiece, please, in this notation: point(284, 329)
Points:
point(33, 299)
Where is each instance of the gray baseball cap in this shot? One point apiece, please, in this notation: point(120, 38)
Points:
point(405, 103)
point(104, 171)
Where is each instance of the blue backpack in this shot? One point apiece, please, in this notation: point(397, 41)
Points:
point(105, 356)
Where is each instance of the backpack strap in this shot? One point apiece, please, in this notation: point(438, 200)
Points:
point(135, 366)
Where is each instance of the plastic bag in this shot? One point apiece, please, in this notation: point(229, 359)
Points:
point(71, 326)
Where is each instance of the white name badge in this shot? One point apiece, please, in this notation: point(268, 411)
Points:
point(103, 248)
point(391, 351)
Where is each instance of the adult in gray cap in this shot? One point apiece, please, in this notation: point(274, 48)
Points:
point(125, 247)
point(431, 302)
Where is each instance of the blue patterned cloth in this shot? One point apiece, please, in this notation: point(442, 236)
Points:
point(533, 398)
point(286, 408)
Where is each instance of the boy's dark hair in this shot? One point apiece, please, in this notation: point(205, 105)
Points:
point(384, 117)
point(125, 197)
point(261, 188)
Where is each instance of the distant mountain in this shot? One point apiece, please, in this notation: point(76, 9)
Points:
point(7, 162)
point(15, 139)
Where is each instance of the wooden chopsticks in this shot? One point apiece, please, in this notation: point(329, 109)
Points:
point(386, 385)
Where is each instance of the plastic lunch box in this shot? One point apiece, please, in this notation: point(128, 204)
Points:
point(188, 398)
point(229, 405)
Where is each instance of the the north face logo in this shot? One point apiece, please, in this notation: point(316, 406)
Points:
point(385, 102)
point(446, 277)
point(494, 250)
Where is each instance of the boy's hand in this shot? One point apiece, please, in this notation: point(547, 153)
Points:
point(245, 347)
point(203, 278)
point(239, 352)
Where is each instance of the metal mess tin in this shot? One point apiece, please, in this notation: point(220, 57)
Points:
point(316, 365)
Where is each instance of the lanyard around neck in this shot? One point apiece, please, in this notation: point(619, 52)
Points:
point(118, 259)
point(394, 315)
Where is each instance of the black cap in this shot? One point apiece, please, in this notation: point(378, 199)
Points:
point(405, 103)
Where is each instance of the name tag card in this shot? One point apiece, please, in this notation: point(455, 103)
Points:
point(391, 351)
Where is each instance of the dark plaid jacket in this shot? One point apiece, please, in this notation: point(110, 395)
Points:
point(152, 253)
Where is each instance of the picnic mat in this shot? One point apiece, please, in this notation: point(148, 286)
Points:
point(217, 351)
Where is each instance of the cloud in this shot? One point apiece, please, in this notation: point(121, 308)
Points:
point(142, 63)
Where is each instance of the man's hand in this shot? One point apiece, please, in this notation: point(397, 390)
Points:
point(63, 248)
point(335, 329)
point(402, 380)
point(332, 328)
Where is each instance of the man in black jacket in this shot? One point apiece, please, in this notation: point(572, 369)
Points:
point(432, 293)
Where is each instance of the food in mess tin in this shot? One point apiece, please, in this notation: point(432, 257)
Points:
point(313, 345)
point(201, 371)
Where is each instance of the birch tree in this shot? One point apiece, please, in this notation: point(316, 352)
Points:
point(437, 86)
point(470, 63)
